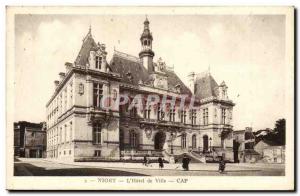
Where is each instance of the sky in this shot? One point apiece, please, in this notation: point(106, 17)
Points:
point(245, 51)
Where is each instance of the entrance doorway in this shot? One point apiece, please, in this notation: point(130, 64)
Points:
point(236, 146)
point(32, 153)
point(159, 140)
point(121, 139)
point(205, 143)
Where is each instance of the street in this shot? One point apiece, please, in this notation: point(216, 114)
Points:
point(47, 167)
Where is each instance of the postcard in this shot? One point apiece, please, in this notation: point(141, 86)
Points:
point(150, 98)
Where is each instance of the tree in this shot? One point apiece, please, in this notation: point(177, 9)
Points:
point(279, 131)
point(275, 136)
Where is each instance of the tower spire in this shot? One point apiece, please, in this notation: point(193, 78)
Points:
point(89, 34)
point(146, 54)
point(90, 29)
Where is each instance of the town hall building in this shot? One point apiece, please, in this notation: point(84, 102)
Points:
point(80, 129)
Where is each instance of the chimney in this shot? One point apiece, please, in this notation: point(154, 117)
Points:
point(56, 83)
point(68, 66)
point(61, 75)
point(248, 129)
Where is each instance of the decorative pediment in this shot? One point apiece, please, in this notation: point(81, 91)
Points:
point(160, 66)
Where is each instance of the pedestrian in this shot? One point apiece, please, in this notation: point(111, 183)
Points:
point(145, 160)
point(161, 163)
point(222, 165)
point(185, 162)
point(148, 160)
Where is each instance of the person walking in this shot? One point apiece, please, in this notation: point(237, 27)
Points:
point(222, 164)
point(145, 160)
point(185, 162)
point(161, 163)
point(148, 161)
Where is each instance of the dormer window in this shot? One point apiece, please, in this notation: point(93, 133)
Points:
point(115, 94)
point(98, 62)
point(177, 88)
point(224, 93)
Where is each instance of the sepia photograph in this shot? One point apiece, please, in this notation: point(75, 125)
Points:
point(150, 98)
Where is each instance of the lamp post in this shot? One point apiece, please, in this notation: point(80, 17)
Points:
point(172, 135)
point(210, 144)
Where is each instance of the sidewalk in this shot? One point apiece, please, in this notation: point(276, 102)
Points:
point(154, 166)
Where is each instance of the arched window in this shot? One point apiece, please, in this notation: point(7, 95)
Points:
point(133, 139)
point(145, 42)
point(194, 141)
point(183, 141)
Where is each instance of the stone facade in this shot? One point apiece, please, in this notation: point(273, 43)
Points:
point(80, 128)
point(29, 140)
point(243, 146)
point(270, 153)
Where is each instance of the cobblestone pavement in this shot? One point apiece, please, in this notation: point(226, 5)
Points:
point(44, 167)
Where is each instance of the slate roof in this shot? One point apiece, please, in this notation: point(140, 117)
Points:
point(206, 86)
point(87, 45)
point(128, 68)
point(146, 33)
point(132, 71)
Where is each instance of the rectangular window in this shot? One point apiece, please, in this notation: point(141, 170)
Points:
point(183, 116)
point(71, 132)
point(133, 139)
point(60, 104)
point(147, 112)
point(98, 62)
point(193, 116)
point(60, 135)
point(160, 112)
point(71, 94)
point(172, 115)
point(66, 98)
point(97, 94)
point(133, 112)
point(65, 136)
point(223, 116)
point(183, 141)
point(222, 143)
point(205, 116)
point(97, 134)
point(97, 153)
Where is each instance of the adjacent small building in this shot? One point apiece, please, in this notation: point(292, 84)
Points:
point(243, 146)
point(270, 152)
point(29, 139)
